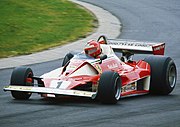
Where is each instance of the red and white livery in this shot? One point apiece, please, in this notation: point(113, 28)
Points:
point(106, 77)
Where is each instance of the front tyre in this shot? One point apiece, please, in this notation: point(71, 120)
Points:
point(163, 74)
point(109, 88)
point(21, 76)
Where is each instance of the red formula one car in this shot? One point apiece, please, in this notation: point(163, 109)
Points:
point(97, 72)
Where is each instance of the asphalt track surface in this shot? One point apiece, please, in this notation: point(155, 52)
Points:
point(155, 20)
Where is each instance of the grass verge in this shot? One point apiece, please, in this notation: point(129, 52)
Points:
point(35, 25)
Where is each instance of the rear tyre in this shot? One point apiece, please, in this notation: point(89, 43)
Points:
point(21, 76)
point(163, 74)
point(109, 89)
point(67, 58)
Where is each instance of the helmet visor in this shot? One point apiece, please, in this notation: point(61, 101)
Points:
point(91, 50)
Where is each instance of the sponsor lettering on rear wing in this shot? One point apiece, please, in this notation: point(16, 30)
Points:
point(137, 47)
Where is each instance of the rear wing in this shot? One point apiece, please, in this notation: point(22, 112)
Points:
point(137, 47)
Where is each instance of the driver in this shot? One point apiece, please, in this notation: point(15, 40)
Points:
point(93, 49)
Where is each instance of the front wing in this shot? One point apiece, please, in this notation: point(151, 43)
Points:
point(45, 90)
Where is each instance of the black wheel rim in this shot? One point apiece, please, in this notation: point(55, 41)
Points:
point(117, 88)
point(172, 76)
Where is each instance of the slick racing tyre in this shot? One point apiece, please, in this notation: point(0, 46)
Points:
point(109, 88)
point(163, 74)
point(67, 58)
point(21, 76)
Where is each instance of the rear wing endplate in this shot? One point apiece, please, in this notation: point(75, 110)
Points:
point(137, 47)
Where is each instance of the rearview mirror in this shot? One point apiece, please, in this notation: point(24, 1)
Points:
point(103, 57)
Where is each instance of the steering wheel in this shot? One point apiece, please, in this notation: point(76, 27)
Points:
point(102, 39)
